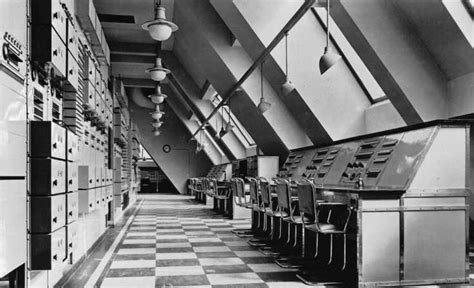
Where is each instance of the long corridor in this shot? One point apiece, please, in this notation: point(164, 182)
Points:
point(172, 241)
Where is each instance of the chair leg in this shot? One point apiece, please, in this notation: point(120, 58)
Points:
point(330, 249)
point(295, 243)
point(288, 239)
point(317, 245)
point(345, 252)
point(303, 242)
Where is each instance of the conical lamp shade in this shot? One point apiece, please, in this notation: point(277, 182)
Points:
point(160, 29)
point(328, 59)
point(222, 132)
point(287, 87)
point(263, 106)
point(229, 127)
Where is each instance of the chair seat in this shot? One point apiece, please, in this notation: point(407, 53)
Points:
point(298, 220)
point(248, 205)
point(269, 211)
point(281, 214)
point(221, 197)
point(323, 228)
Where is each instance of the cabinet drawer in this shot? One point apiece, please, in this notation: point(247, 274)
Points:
point(48, 139)
point(72, 146)
point(86, 177)
point(72, 77)
point(72, 239)
point(72, 177)
point(58, 19)
point(48, 213)
point(72, 200)
point(86, 201)
point(89, 101)
point(72, 41)
point(48, 176)
point(48, 250)
point(99, 197)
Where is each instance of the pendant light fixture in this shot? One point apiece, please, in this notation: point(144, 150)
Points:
point(229, 125)
point(159, 28)
point(263, 106)
point(287, 87)
point(158, 97)
point(223, 131)
point(158, 72)
point(156, 124)
point(329, 58)
point(157, 114)
point(156, 132)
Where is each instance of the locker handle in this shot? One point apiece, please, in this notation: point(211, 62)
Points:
point(70, 181)
point(70, 245)
point(56, 15)
point(55, 145)
point(70, 213)
point(55, 183)
point(90, 205)
point(55, 257)
point(55, 219)
point(70, 150)
point(90, 181)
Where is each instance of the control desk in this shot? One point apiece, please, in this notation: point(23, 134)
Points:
point(409, 191)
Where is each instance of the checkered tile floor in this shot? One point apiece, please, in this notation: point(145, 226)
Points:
point(175, 242)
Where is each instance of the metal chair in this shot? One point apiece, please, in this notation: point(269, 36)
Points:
point(311, 207)
point(237, 186)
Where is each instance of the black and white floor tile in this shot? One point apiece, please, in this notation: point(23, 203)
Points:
point(175, 242)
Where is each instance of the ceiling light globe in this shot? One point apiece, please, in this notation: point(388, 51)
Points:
point(156, 124)
point(157, 99)
point(158, 75)
point(156, 132)
point(287, 88)
point(160, 31)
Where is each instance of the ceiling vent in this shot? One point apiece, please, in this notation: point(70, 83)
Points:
point(115, 18)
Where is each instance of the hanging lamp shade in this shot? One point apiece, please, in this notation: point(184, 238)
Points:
point(287, 87)
point(328, 59)
point(159, 28)
point(157, 114)
point(156, 132)
point(222, 132)
point(263, 106)
point(158, 72)
point(156, 124)
point(157, 97)
point(229, 127)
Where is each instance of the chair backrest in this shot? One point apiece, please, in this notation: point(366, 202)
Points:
point(253, 189)
point(239, 187)
point(306, 197)
point(282, 188)
point(265, 191)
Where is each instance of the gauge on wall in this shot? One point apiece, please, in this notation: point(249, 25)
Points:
point(166, 148)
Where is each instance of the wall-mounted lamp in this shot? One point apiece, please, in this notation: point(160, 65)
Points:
point(329, 58)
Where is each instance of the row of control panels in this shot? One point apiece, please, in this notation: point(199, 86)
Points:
point(360, 163)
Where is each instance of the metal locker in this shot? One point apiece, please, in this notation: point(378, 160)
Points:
point(48, 213)
point(13, 221)
point(72, 200)
point(86, 201)
point(48, 139)
point(72, 238)
point(72, 77)
point(49, 50)
point(72, 144)
point(72, 41)
point(72, 177)
point(48, 176)
point(48, 250)
point(86, 179)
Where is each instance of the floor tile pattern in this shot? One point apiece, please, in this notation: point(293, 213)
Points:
point(175, 242)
